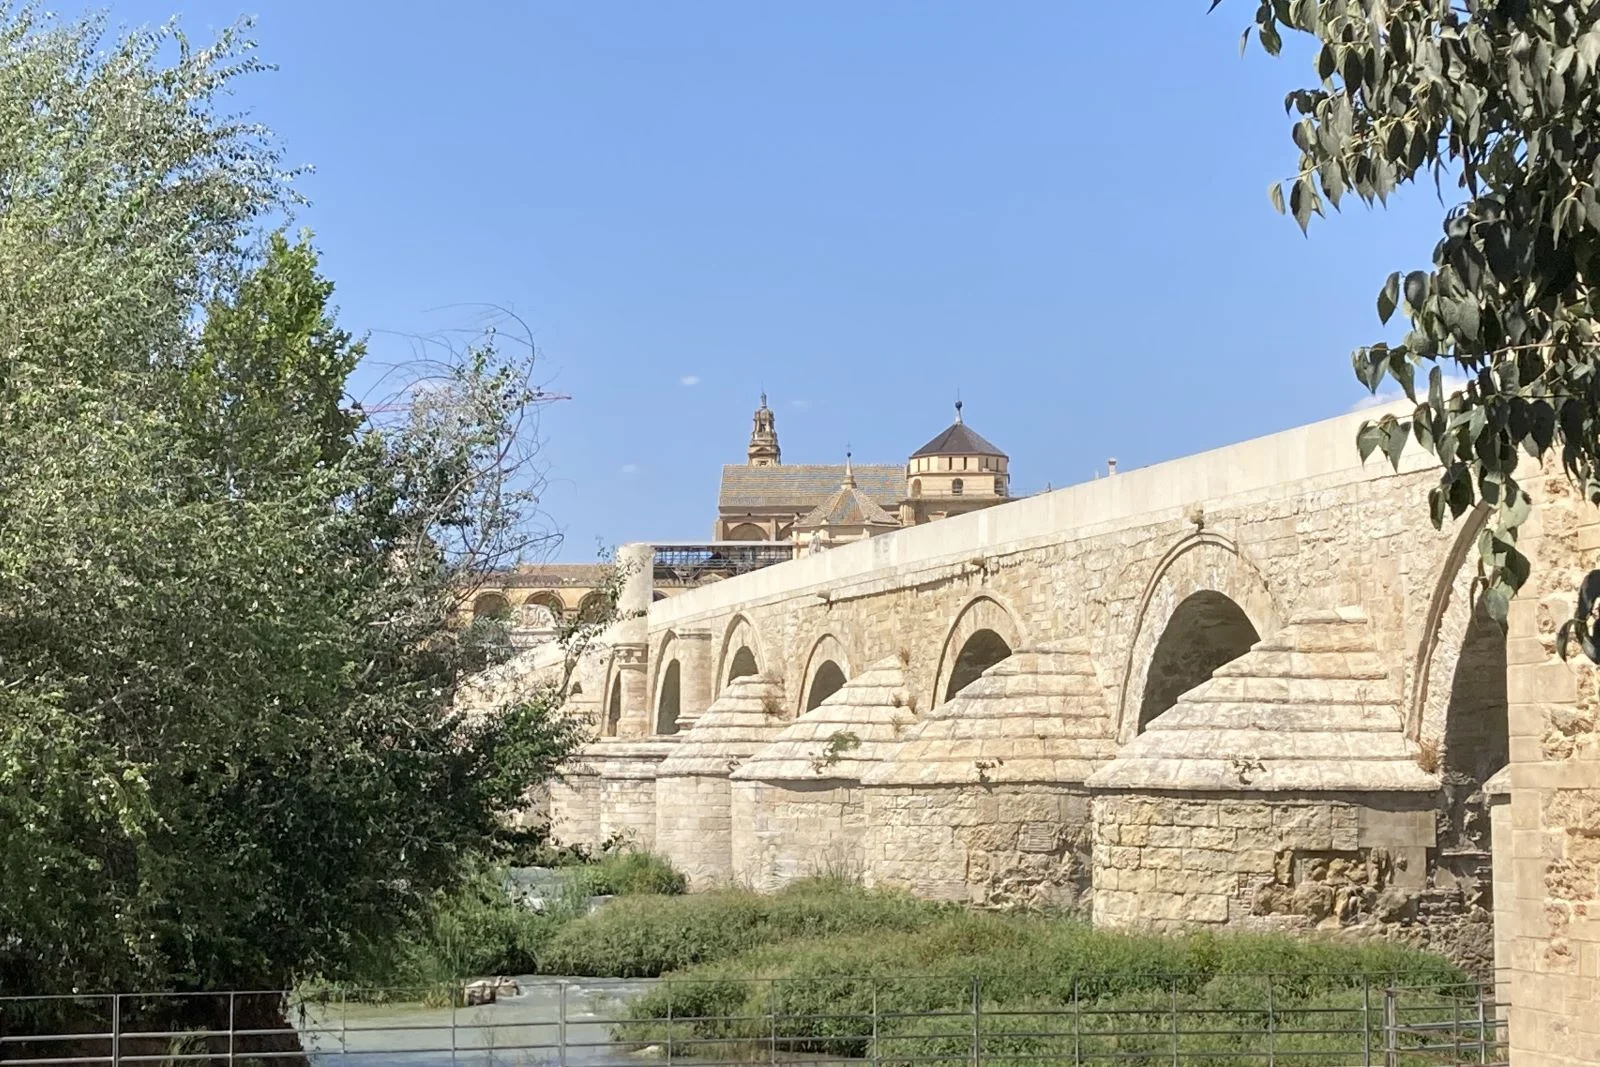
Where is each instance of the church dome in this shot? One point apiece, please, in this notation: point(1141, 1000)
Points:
point(958, 440)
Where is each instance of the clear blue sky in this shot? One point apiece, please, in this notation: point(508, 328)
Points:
point(1057, 207)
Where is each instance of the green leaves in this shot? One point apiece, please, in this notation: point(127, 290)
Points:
point(1500, 101)
point(228, 749)
point(1388, 297)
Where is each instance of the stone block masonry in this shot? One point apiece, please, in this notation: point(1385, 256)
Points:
point(786, 831)
point(994, 846)
point(1336, 778)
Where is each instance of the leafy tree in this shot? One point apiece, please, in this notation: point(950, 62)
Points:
point(1500, 98)
point(228, 754)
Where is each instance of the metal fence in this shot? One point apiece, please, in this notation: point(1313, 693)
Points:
point(1088, 1021)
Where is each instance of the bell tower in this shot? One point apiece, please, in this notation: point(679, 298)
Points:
point(763, 450)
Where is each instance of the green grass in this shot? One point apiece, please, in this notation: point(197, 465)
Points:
point(642, 937)
point(897, 958)
point(824, 959)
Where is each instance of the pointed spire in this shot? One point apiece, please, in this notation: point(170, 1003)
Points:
point(849, 474)
point(958, 407)
point(763, 450)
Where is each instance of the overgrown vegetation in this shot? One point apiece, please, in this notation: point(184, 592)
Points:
point(229, 754)
point(893, 956)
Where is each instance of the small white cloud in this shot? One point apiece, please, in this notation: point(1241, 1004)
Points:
point(689, 379)
point(801, 404)
point(630, 468)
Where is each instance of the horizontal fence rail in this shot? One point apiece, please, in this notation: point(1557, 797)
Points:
point(1098, 1020)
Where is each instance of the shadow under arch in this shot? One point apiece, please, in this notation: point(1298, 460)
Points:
point(667, 701)
point(1199, 561)
point(1205, 631)
point(741, 652)
point(984, 632)
point(743, 664)
point(613, 718)
point(827, 669)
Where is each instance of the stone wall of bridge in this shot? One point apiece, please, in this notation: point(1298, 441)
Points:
point(1163, 579)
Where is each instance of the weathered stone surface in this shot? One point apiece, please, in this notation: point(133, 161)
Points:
point(694, 801)
point(1309, 708)
point(1369, 756)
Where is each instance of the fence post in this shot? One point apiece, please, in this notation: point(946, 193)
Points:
point(1077, 1026)
point(1483, 1033)
point(457, 995)
point(1272, 1025)
point(1455, 1027)
point(116, 1029)
point(772, 1023)
point(1174, 1022)
point(1366, 1020)
point(669, 1021)
point(561, 1025)
point(874, 1026)
point(976, 1021)
point(1391, 1048)
point(231, 1026)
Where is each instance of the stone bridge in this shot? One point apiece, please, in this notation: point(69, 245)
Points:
point(1245, 688)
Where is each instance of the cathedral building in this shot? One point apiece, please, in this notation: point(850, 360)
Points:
point(780, 511)
point(819, 505)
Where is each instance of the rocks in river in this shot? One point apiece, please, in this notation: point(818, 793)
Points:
point(489, 990)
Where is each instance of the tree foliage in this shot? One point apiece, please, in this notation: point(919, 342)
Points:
point(1500, 98)
point(228, 754)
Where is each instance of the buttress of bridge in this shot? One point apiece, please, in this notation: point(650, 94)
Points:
point(846, 735)
point(743, 720)
point(1037, 716)
point(1309, 708)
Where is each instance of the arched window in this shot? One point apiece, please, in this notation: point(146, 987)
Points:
point(594, 608)
point(747, 531)
point(999, 487)
point(916, 487)
point(490, 606)
point(955, 487)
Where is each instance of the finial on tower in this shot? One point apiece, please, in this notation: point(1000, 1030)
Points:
point(958, 405)
point(849, 473)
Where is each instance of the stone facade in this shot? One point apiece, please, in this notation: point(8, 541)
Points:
point(694, 798)
point(1252, 773)
point(797, 803)
point(985, 801)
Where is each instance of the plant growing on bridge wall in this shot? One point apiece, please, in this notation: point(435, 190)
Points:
point(1502, 99)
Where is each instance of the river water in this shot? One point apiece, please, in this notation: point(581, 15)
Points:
point(524, 1029)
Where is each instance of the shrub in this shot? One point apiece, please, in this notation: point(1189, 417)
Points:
point(825, 988)
point(645, 936)
point(627, 873)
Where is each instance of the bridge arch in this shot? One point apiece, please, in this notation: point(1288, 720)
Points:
point(490, 605)
point(1204, 604)
point(827, 669)
point(613, 711)
point(665, 684)
point(542, 610)
point(741, 653)
point(1458, 714)
point(593, 607)
point(984, 632)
